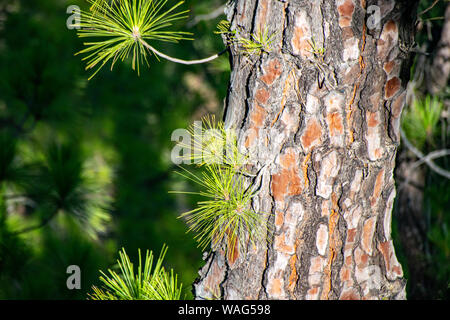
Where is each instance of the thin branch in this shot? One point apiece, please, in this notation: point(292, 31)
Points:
point(431, 156)
point(186, 62)
point(434, 18)
point(209, 16)
point(429, 8)
point(13, 196)
point(33, 228)
point(424, 159)
point(407, 181)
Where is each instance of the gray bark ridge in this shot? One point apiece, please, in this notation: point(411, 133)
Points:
point(327, 128)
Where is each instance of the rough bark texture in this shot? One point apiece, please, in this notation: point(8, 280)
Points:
point(329, 149)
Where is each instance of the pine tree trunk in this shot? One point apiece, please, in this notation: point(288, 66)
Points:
point(328, 135)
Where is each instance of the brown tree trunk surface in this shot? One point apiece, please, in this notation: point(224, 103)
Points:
point(328, 149)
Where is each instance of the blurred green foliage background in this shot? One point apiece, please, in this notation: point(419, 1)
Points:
point(85, 166)
point(92, 158)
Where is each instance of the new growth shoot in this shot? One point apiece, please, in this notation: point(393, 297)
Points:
point(124, 28)
point(149, 281)
point(127, 27)
point(226, 213)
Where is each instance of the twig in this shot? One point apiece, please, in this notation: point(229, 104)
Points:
point(434, 18)
point(406, 181)
point(424, 159)
point(431, 156)
point(429, 8)
point(187, 62)
point(209, 16)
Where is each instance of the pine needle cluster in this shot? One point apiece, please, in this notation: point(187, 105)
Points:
point(123, 28)
point(148, 283)
point(420, 120)
point(258, 42)
point(226, 213)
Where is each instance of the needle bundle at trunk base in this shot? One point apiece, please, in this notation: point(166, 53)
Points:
point(225, 214)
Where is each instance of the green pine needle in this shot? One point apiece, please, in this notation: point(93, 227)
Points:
point(259, 41)
point(148, 283)
point(212, 143)
point(119, 29)
point(225, 213)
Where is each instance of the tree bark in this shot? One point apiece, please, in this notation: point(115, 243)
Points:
point(327, 133)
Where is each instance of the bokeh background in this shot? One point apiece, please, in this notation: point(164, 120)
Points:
point(85, 165)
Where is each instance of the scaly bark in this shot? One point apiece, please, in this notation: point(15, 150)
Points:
point(329, 149)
